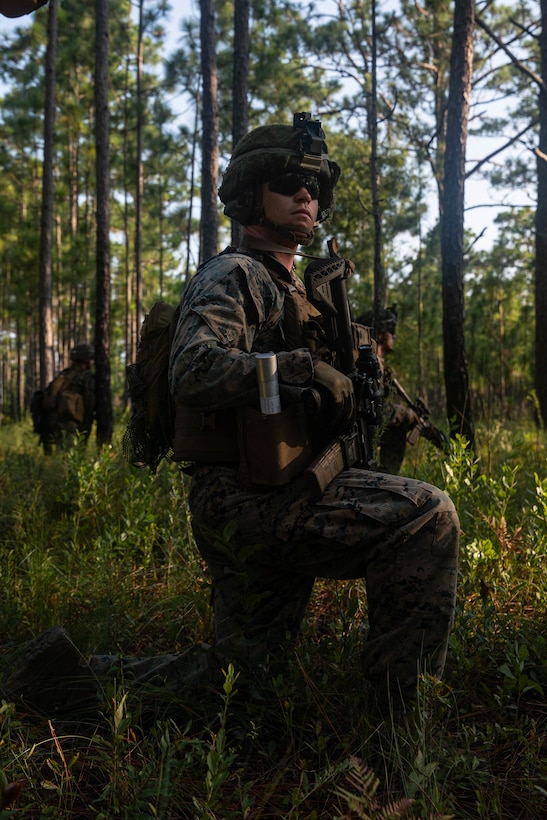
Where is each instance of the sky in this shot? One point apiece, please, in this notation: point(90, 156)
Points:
point(480, 209)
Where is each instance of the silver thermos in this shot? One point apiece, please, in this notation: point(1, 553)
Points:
point(268, 383)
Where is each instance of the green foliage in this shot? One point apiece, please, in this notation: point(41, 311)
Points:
point(107, 551)
point(90, 533)
point(361, 796)
point(164, 185)
point(302, 57)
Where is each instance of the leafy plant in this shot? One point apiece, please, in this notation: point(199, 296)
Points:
point(108, 552)
point(361, 796)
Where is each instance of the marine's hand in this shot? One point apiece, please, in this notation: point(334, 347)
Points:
point(435, 436)
point(412, 418)
point(339, 393)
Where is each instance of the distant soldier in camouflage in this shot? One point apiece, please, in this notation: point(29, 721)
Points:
point(63, 414)
point(404, 421)
point(399, 534)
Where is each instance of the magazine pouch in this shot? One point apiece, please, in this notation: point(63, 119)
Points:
point(273, 449)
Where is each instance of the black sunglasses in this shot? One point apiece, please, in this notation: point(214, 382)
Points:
point(290, 184)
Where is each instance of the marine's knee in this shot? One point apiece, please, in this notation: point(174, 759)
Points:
point(440, 503)
point(446, 523)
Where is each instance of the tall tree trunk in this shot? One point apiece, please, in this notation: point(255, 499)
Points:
point(46, 226)
point(210, 133)
point(541, 230)
point(458, 399)
point(20, 393)
point(372, 115)
point(161, 206)
point(131, 326)
point(140, 175)
point(240, 86)
point(102, 312)
point(187, 276)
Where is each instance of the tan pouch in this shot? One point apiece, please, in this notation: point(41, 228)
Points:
point(204, 438)
point(71, 406)
point(272, 449)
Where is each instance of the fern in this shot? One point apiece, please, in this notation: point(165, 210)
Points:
point(361, 799)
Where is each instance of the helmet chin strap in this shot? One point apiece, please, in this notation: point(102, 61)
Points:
point(296, 236)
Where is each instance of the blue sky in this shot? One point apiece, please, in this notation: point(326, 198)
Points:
point(478, 196)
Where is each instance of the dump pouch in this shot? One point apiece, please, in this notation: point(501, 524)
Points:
point(273, 449)
point(71, 406)
point(205, 438)
point(67, 401)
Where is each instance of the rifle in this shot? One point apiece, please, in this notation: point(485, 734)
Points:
point(423, 427)
point(325, 281)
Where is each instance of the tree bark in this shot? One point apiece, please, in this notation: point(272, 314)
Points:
point(139, 187)
point(103, 398)
point(210, 134)
point(380, 289)
point(46, 227)
point(240, 86)
point(541, 231)
point(458, 400)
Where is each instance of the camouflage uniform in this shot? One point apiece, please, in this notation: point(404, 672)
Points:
point(399, 420)
point(62, 430)
point(399, 534)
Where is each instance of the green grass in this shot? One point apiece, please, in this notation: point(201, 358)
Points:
point(106, 551)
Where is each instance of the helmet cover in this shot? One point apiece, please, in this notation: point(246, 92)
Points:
point(82, 353)
point(387, 320)
point(269, 151)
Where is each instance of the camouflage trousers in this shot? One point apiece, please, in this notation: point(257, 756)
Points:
point(399, 534)
point(264, 551)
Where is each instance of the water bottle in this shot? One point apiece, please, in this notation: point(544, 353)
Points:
point(268, 383)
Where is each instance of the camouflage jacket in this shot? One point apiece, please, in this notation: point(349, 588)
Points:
point(230, 310)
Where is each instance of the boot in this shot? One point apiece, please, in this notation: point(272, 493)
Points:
point(49, 676)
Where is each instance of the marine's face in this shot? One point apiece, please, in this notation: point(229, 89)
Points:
point(387, 340)
point(296, 207)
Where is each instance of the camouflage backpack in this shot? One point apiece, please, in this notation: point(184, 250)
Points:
point(149, 434)
point(63, 396)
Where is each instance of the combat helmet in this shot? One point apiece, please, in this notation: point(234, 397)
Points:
point(82, 353)
point(267, 152)
point(387, 319)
